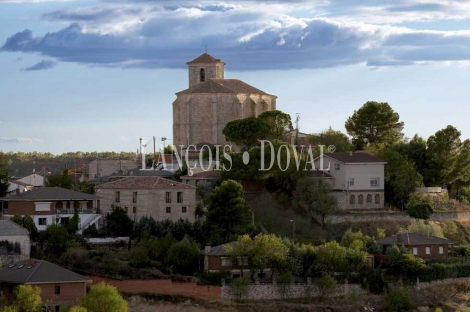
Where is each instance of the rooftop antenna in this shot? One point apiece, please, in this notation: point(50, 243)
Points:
point(206, 47)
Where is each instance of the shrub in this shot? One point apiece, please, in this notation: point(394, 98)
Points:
point(399, 300)
point(139, 257)
point(240, 287)
point(420, 211)
point(184, 256)
point(326, 285)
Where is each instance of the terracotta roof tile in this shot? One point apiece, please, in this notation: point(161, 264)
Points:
point(232, 86)
point(144, 183)
point(204, 58)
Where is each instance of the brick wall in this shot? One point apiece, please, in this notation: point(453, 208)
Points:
point(164, 287)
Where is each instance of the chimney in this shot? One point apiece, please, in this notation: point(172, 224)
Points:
point(207, 249)
point(350, 153)
point(17, 192)
point(398, 240)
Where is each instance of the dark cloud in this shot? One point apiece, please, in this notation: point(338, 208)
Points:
point(167, 37)
point(42, 65)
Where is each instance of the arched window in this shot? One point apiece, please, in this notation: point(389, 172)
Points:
point(352, 199)
point(369, 199)
point(377, 198)
point(202, 75)
point(360, 199)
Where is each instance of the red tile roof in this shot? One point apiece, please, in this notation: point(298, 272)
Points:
point(204, 58)
point(232, 86)
point(144, 183)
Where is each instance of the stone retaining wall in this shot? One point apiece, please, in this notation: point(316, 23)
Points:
point(447, 281)
point(395, 216)
point(283, 291)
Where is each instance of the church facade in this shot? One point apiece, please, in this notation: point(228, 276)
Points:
point(201, 112)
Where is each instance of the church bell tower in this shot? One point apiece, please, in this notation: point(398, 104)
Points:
point(203, 68)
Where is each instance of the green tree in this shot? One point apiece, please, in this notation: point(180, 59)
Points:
point(28, 299)
point(401, 178)
point(246, 132)
point(4, 167)
point(331, 137)
point(103, 298)
point(184, 256)
point(400, 262)
point(28, 223)
point(118, 223)
point(314, 196)
point(414, 151)
point(399, 300)
point(279, 124)
point(448, 158)
point(228, 215)
point(60, 180)
point(330, 257)
point(55, 238)
point(326, 285)
point(374, 122)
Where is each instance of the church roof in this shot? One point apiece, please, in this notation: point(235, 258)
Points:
point(233, 86)
point(204, 58)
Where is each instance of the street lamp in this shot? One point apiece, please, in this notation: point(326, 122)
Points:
point(163, 140)
point(293, 229)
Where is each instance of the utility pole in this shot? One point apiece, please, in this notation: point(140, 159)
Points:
point(297, 118)
point(293, 229)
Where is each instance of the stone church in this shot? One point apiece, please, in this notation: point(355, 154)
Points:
point(201, 112)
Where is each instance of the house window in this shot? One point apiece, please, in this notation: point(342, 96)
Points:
point(360, 199)
point(168, 209)
point(183, 209)
point(226, 261)
point(369, 199)
point(126, 209)
point(337, 166)
point(117, 198)
point(202, 75)
point(134, 209)
point(428, 250)
point(134, 197)
point(374, 182)
point(179, 197)
point(10, 289)
point(441, 250)
point(351, 182)
point(242, 261)
point(168, 197)
point(57, 290)
point(64, 220)
point(415, 251)
point(352, 199)
point(377, 198)
point(42, 221)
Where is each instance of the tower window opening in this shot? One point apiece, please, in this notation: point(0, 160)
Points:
point(202, 75)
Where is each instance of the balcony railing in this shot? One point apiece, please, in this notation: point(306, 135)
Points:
point(72, 211)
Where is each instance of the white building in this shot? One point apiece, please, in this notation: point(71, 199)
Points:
point(33, 179)
point(357, 178)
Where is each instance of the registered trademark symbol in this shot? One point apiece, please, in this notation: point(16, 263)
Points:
point(331, 148)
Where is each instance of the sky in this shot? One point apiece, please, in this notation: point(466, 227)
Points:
point(97, 75)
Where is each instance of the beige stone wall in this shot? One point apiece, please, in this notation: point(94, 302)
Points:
point(202, 117)
point(212, 70)
point(151, 203)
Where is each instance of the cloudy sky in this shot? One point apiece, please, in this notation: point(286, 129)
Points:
point(96, 75)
